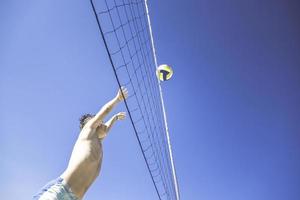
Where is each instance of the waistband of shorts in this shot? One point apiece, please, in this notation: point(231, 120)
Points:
point(68, 188)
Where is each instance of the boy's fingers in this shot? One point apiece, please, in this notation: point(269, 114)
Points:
point(123, 92)
point(124, 89)
point(121, 115)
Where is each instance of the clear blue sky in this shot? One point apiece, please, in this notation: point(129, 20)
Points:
point(232, 104)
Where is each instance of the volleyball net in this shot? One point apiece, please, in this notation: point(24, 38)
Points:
point(126, 31)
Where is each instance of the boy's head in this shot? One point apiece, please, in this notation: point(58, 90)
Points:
point(84, 119)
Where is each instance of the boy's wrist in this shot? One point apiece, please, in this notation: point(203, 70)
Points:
point(116, 99)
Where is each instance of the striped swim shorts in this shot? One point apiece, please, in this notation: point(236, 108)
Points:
point(56, 190)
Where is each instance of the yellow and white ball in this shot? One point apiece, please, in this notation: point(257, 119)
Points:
point(164, 72)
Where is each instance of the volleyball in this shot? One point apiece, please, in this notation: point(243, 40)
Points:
point(164, 72)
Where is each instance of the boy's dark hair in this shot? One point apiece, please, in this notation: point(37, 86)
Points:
point(84, 119)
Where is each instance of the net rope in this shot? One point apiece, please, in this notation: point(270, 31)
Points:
point(127, 35)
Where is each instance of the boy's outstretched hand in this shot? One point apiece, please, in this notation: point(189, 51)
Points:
point(121, 97)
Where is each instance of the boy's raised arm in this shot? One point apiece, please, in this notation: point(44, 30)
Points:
point(98, 118)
